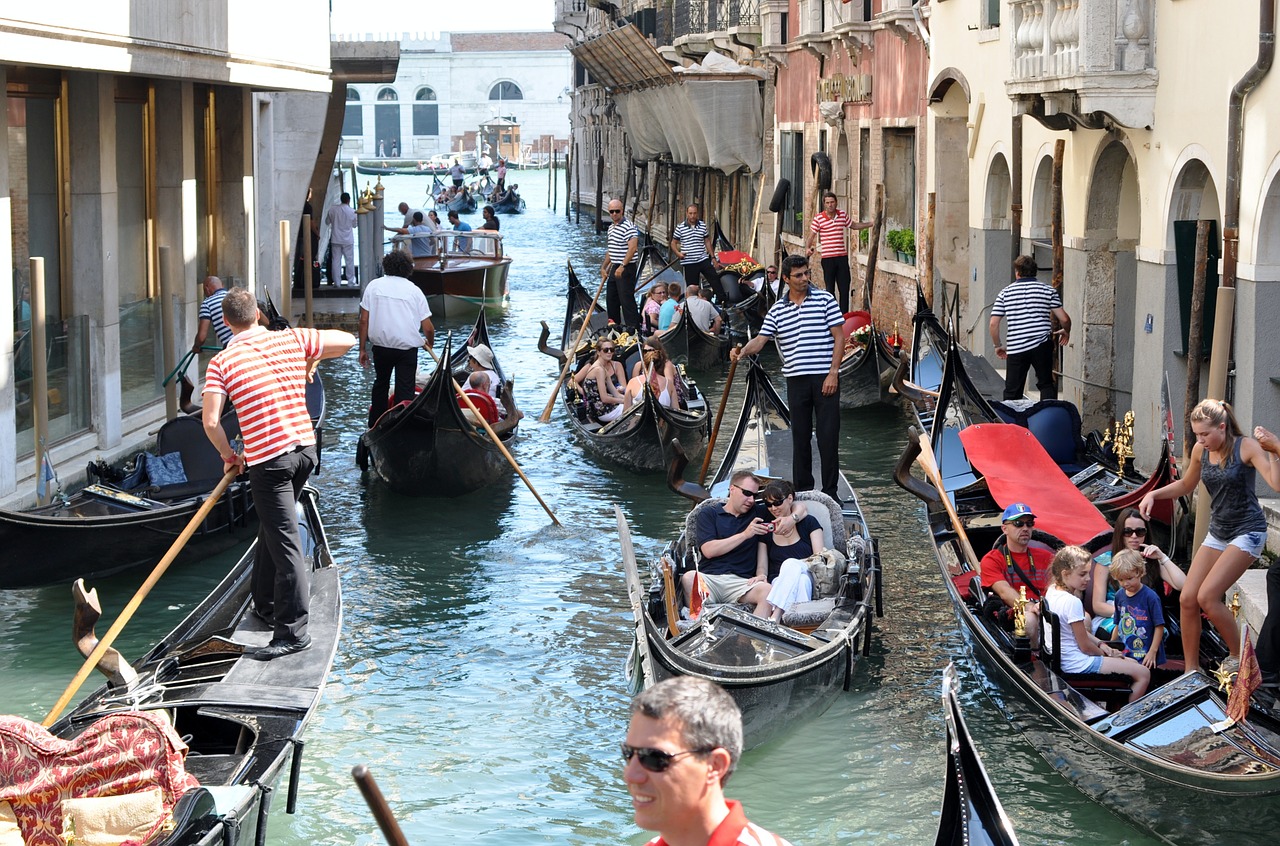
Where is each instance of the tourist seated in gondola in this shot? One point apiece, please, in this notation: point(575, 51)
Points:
point(1138, 622)
point(477, 391)
point(670, 305)
point(480, 360)
point(1081, 651)
point(698, 305)
point(651, 312)
point(731, 569)
point(1161, 574)
point(1014, 564)
point(601, 383)
point(794, 535)
point(661, 375)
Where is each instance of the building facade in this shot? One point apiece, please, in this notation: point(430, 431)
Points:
point(144, 146)
point(447, 87)
point(1152, 144)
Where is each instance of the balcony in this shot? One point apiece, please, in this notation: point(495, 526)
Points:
point(570, 18)
point(729, 26)
point(1084, 62)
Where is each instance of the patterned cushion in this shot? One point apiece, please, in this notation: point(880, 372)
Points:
point(809, 615)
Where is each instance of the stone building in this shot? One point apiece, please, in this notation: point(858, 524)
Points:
point(448, 86)
point(144, 145)
point(1152, 144)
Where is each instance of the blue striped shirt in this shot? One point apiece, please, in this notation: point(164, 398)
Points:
point(693, 241)
point(1026, 306)
point(803, 332)
point(620, 233)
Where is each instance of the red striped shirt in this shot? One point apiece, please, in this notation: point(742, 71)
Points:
point(265, 375)
point(830, 232)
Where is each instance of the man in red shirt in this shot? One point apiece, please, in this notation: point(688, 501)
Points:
point(1014, 564)
point(265, 374)
point(684, 741)
point(828, 227)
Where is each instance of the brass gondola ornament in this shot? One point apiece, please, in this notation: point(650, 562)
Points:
point(1020, 613)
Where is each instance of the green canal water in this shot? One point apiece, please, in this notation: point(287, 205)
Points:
point(481, 670)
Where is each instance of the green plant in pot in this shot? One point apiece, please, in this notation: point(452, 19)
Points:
point(903, 242)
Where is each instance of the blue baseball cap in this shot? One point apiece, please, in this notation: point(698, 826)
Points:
point(1016, 510)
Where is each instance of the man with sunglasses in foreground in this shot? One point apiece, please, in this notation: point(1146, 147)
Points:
point(728, 538)
point(1014, 563)
point(683, 743)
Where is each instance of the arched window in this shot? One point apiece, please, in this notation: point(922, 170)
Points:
point(426, 114)
point(353, 118)
point(506, 91)
point(385, 94)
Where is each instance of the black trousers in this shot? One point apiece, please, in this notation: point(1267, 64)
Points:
point(620, 297)
point(404, 363)
point(806, 400)
point(1017, 365)
point(281, 580)
point(838, 278)
point(1269, 634)
point(704, 273)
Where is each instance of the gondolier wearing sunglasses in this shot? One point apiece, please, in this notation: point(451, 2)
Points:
point(683, 743)
point(618, 271)
point(1013, 564)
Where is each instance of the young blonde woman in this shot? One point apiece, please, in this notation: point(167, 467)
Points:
point(1228, 462)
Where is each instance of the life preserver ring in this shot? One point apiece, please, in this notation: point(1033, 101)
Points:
point(483, 402)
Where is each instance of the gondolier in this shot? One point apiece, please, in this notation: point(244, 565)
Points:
point(828, 228)
point(264, 373)
point(394, 315)
point(810, 333)
point(618, 271)
point(1030, 306)
point(691, 241)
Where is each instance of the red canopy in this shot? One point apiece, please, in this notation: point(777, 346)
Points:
point(1017, 469)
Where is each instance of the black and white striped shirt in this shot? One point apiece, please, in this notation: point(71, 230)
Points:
point(803, 332)
point(1026, 306)
point(620, 233)
point(693, 241)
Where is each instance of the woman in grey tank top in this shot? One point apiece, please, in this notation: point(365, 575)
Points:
point(1228, 463)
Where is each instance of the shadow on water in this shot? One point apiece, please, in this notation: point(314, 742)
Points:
point(481, 671)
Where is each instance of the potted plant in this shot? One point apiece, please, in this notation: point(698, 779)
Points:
point(903, 242)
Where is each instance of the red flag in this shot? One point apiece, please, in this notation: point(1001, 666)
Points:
point(1247, 680)
point(699, 594)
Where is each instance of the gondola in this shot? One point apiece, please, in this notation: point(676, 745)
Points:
point(1170, 761)
point(971, 811)
point(778, 673)
point(203, 721)
point(638, 440)
point(125, 518)
point(464, 203)
point(511, 203)
point(865, 372)
point(430, 446)
point(1109, 484)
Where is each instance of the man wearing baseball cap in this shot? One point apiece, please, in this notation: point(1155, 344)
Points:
point(1014, 563)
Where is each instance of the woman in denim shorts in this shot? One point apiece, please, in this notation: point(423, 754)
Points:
point(1228, 463)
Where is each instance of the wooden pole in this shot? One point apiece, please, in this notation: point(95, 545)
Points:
point(930, 465)
point(103, 645)
point(493, 436)
point(926, 250)
point(39, 369)
point(382, 814)
point(168, 343)
point(1195, 336)
point(577, 186)
point(873, 252)
point(755, 220)
point(715, 432)
point(653, 200)
point(735, 196)
point(1059, 150)
point(286, 285)
point(308, 262)
point(551, 180)
point(545, 417)
point(599, 194)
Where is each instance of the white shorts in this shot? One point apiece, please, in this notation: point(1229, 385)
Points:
point(1251, 542)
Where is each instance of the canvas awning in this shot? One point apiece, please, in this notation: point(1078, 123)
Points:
point(709, 115)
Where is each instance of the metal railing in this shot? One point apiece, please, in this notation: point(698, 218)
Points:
point(694, 17)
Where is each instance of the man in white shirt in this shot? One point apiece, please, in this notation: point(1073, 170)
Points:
point(342, 239)
point(395, 317)
point(700, 309)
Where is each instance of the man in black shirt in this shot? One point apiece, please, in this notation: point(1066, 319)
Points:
point(729, 538)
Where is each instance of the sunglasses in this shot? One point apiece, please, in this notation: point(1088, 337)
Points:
point(1023, 524)
point(774, 503)
point(1140, 532)
point(750, 494)
point(606, 349)
point(655, 760)
point(615, 211)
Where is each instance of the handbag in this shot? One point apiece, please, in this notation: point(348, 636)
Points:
point(827, 568)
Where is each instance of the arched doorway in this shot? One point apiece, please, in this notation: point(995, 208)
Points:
point(1257, 342)
point(949, 101)
point(989, 249)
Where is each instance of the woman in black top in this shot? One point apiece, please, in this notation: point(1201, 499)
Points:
point(491, 221)
point(796, 535)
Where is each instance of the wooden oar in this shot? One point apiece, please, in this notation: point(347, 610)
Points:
point(378, 805)
point(930, 465)
point(494, 436)
point(103, 645)
point(715, 431)
point(570, 355)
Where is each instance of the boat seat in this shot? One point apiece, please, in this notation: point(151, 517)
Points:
point(827, 512)
point(185, 436)
point(1050, 653)
point(807, 616)
point(1056, 425)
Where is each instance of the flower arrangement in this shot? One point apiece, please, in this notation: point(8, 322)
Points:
point(862, 335)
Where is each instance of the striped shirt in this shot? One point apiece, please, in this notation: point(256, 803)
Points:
point(211, 310)
point(693, 242)
point(735, 830)
point(830, 232)
point(620, 233)
point(1026, 305)
point(803, 332)
point(265, 375)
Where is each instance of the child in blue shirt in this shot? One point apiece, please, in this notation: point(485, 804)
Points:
point(1139, 619)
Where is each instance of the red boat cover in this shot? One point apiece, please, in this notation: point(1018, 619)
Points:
point(117, 755)
point(1017, 469)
